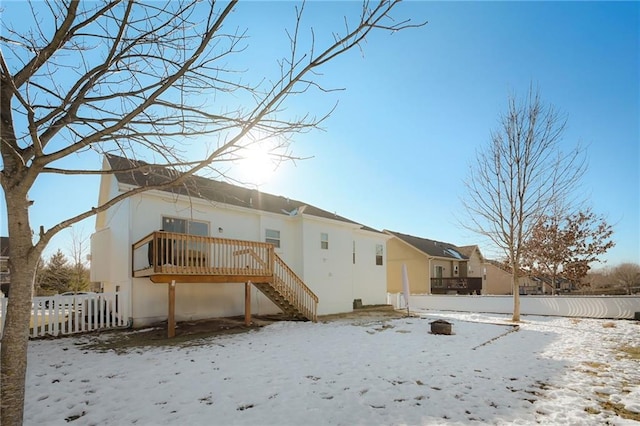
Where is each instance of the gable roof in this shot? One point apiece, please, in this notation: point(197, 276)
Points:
point(467, 251)
point(434, 248)
point(135, 173)
point(500, 265)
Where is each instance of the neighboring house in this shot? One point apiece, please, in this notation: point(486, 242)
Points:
point(5, 276)
point(546, 285)
point(433, 267)
point(207, 236)
point(497, 277)
point(498, 280)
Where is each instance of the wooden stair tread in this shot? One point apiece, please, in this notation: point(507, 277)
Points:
point(285, 298)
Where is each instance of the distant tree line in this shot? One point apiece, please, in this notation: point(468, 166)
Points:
point(621, 279)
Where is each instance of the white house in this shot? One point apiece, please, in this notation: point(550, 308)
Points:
point(229, 227)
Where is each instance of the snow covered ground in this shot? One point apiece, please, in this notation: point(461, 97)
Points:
point(349, 372)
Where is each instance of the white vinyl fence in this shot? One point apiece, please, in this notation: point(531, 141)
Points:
point(615, 307)
point(56, 315)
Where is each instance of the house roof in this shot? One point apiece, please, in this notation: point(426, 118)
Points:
point(500, 265)
point(216, 191)
point(467, 251)
point(435, 248)
point(4, 246)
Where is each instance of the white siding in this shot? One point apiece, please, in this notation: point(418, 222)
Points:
point(194, 301)
point(369, 279)
point(101, 256)
point(330, 273)
point(119, 259)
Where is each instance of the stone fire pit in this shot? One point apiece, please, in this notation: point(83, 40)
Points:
point(441, 327)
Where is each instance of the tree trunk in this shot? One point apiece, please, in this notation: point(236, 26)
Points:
point(15, 337)
point(516, 302)
point(515, 286)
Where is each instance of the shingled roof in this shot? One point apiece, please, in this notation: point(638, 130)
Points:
point(139, 173)
point(432, 247)
point(467, 251)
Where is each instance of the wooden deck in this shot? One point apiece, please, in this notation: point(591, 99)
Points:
point(464, 285)
point(166, 256)
point(173, 258)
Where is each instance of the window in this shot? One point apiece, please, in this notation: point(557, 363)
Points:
point(354, 252)
point(182, 251)
point(379, 254)
point(453, 253)
point(437, 281)
point(185, 226)
point(324, 241)
point(272, 236)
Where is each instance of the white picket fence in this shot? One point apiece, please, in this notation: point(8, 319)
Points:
point(615, 307)
point(60, 315)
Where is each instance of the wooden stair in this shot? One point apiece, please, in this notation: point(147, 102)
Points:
point(289, 293)
point(279, 300)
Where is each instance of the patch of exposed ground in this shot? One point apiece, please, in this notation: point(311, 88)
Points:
point(193, 333)
point(632, 352)
point(366, 315)
point(596, 369)
point(620, 410)
point(187, 333)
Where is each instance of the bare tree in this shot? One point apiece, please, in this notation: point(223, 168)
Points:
point(518, 177)
point(151, 80)
point(627, 275)
point(562, 246)
point(596, 280)
point(78, 251)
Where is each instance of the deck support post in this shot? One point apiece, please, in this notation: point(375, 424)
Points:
point(247, 303)
point(171, 318)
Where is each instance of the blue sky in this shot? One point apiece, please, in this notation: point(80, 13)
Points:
point(419, 103)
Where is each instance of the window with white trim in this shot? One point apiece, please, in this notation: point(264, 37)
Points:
point(272, 236)
point(354, 252)
point(324, 241)
point(379, 254)
point(181, 251)
point(185, 226)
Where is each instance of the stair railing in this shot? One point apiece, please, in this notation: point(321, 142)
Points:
point(291, 287)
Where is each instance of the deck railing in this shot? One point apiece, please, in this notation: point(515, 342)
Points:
point(459, 285)
point(182, 254)
point(289, 285)
point(175, 253)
